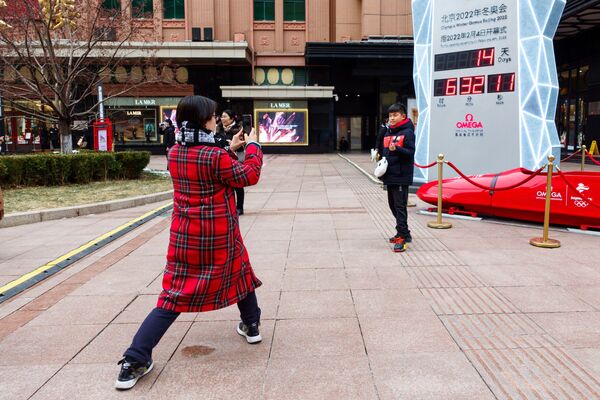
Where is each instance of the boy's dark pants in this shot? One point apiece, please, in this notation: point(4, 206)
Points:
point(159, 320)
point(397, 200)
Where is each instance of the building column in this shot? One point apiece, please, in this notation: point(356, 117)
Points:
point(279, 26)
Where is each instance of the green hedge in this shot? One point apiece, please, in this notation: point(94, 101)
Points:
point(58, 169)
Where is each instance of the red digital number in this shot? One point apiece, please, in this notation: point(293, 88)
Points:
point(466, 85)
point(478, 83)
point(472, 84)
point(499, 83)
point(511, 86)
point(485, 57)
point(450, 89)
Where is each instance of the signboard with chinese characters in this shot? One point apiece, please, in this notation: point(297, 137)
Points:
point(486, 83)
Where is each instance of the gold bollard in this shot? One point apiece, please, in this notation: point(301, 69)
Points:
point(583, 156)
point(438, 224)
point(544, 241)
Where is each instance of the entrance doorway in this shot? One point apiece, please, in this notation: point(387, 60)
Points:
point(352, 129)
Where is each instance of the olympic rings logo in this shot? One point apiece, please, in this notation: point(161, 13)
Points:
point(580, 203)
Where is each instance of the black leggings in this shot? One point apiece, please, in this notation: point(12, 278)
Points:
point(159, 320)
point(239, 198)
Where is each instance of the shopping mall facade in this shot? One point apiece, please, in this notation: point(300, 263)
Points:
point(327, 68)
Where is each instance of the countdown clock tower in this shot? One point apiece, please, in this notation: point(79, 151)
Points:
point(486, 83)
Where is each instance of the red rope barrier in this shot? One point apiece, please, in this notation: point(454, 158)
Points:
point(592, 158)
point(571, 156)
point(570, 185)
point(426, 166)
point(533, 175)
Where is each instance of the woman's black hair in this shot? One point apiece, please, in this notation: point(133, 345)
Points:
point(196, 110)
point(397, 108)
point(230, 113)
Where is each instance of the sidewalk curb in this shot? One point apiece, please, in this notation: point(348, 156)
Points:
point(411, 189)
point(368, 175)
point(31, 217)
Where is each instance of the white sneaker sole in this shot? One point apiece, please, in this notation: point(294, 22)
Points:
point(129, 384)
point(249, 339)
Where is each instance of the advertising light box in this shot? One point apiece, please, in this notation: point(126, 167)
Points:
point(486, 84)
point(281, 123)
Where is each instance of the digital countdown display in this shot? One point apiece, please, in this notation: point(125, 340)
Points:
point(486, 83)
point(496, 83)
point(465, 59)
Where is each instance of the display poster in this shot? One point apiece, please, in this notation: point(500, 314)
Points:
point(169, 112)
point(102, 140)
point(286, 127)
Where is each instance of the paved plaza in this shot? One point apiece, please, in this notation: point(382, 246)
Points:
point(473, 312)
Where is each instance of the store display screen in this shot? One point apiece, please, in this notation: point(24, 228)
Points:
point(464, 59)
point(286, 127)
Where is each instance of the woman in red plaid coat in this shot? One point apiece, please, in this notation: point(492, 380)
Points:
point(207, 263)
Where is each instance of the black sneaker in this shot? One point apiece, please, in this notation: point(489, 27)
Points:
point(408, 239)
point(240, 211)
point(131, 372)
point(250, 332)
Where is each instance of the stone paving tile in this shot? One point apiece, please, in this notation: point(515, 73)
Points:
point(389, 303)
point(356, 259)
point(198, 379)
point(39, 345)
point(329, 259)
point(75, 310)
point(140, 306)
point(109, 346)
point(297, 338)
point(588, 294)
point(406, 334)
point(266, 247)
point(268, 301)
point(311, 378)
point(316, 304)
point(589, 357)
point(543, 299)
point(20, 382)
point(91, 382)
point(427, 376)
point(209, 341)
point(512, 275)
point(268, 235)
point(572, 329)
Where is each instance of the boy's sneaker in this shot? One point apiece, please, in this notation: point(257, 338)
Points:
point(131, 372)
point(394, 239)
point(399, 246)
point(250, 332)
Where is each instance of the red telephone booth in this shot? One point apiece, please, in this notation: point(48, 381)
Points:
point(103, 135)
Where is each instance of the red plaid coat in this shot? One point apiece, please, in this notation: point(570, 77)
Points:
point(207, 263)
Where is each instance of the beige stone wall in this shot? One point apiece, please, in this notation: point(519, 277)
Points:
point(326, 20)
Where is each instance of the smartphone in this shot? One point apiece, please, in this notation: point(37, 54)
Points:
point(247, 122)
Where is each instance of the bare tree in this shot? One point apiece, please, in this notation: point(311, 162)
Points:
point(57, 52)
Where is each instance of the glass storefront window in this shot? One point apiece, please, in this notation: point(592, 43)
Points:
point(571, 117)
point(134, 125)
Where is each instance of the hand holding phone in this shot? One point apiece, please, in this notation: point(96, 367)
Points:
point(246, 123)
